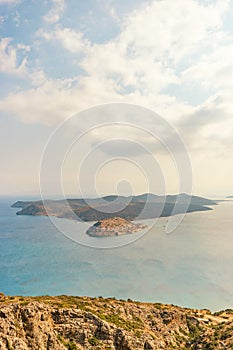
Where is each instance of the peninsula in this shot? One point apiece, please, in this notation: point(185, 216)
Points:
point(144, 206)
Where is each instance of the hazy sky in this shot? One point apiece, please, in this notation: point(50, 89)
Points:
point(60, 57)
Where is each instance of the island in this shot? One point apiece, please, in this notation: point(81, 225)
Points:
point(114, 227)
point(140, 207)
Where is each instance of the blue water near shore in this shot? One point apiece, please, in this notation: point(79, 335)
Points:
point(192, 267)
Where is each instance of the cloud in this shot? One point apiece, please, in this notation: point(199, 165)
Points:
point(55, 12)
point(12, 65)
point(24, 47)
point(37, 77)
point(214, 69)
point(216, 110)
point(8, 59)
point(69, 39)
point(146, 60)
point(172, 30)
point(17, 19)
point(52, 101)
point(160, 44)
point(210, 126)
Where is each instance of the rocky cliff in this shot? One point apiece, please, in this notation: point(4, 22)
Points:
point(65, 322)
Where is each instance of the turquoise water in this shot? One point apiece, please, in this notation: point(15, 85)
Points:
point(192, 267)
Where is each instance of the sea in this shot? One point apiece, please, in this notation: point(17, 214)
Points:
point(192, 267)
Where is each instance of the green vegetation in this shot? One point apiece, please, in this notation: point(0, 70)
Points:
point(25, 303)
point(70, 345)
point(61, 339)
point(8, 345)
point(122, 323)
point(195, 332)
point(93, 341)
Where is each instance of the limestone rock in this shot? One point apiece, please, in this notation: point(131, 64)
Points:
point(82, 323)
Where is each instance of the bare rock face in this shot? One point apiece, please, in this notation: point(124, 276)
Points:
point(25, 328)
point(81, 323)
point(114, 227)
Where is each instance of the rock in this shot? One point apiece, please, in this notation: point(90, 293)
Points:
point(148, 345)
point(107, 324)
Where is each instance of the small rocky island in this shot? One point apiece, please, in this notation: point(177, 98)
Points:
point(114, 227)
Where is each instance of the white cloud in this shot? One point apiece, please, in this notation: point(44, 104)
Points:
point(161, 43)
point(214, 69)
point(70, 40)
point(209, 126)
point(16, 19)
point(52, 101)
point(10, 64)
point(55, 100)
point(8, 59)
point(23, 47)
point(55, 12)
point(49, 99)
point(153, 40)
point(37, 77)
point(172, 30)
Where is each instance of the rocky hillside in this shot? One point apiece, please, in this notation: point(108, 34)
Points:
point(65, 322)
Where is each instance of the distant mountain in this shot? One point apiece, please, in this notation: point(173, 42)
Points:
point(148, 197)
point(144, 206)
point(194, 199)
point(182, 198)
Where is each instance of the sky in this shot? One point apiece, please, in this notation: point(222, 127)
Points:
point(59, 58)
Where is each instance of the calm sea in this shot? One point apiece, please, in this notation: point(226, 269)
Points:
point(192, 267)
